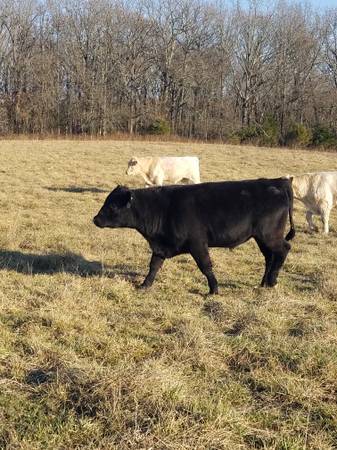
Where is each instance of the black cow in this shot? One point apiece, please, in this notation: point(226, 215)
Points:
point(190, 219)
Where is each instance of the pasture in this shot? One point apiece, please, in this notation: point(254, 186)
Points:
point(89, 362)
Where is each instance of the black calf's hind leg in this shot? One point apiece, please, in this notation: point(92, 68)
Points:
point(279, 256)
point(203, 260)
point(268, 256)
point(155, 264)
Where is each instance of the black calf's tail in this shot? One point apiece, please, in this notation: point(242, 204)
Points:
point(290, 195)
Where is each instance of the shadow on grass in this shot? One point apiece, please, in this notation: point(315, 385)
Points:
point(77, 189)
point(32, 264)
point(318, 232)
point(222, 286)
point(126, 272)
point(227, 284)
point(204, 294)
point(51, 263)
point(304, 282)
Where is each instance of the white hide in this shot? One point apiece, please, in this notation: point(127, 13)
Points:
point(171, 169)
point(318, 192)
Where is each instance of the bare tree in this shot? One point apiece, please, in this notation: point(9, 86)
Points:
point(252, 59)
point(330, 45)
point(100, 66)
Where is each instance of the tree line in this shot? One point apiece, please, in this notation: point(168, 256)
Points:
point(260, 72)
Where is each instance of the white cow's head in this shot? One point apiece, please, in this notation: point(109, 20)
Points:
point(133, 166)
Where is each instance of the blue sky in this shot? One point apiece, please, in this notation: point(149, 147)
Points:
point(317, 5)
point(324, 4)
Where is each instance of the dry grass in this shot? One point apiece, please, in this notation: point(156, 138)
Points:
point(89, 362)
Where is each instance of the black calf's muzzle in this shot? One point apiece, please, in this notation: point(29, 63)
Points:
point(97, 222)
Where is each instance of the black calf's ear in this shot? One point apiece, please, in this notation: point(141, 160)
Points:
point(124, 197)
point(128, 205)
point(120, 188)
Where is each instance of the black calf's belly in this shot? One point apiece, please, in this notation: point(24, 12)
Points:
point(166, 251)
point(169, 251)
point(228, 241)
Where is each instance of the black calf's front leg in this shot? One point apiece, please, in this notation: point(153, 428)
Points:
point(155, 264)
point(203, 260)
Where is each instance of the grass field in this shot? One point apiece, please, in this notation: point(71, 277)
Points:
point(89, 362)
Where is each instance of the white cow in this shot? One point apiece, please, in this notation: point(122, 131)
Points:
point(318, 191)
point(173, 169)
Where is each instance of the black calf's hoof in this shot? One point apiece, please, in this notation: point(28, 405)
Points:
point(214, 292)
point(143, 286)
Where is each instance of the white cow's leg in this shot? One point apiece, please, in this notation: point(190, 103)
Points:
point(158, 180)
point(195, 179)
point(325, 214)
point(324, 209)
point(148, 182)
point(158, 177)
point(312, 226)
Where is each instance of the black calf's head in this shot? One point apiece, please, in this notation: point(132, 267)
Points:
point(116, 209)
